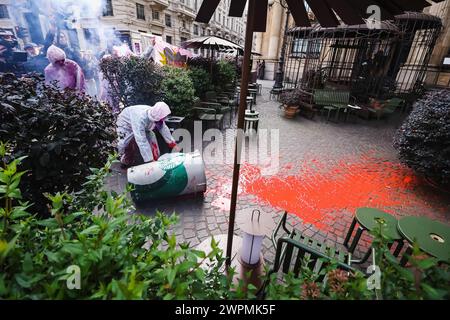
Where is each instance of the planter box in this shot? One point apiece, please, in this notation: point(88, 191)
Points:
point(174, 122)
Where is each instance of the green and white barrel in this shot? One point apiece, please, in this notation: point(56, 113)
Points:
point(172, 175)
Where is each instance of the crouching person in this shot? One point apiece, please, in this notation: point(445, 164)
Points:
point(137, 141)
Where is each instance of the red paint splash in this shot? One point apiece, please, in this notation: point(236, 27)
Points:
point(320, 192)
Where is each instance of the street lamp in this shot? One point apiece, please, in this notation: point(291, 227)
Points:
point(280, 73)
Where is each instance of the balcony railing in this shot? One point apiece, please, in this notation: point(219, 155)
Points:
point(186, 11)
point(159, 3)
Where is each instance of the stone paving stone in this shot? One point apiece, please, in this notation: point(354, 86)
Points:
point(223, 227)
point(200, 226)
point(189, 233)
point(194, 242)
point(202, 234)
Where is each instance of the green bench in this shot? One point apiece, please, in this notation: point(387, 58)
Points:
point(332, 100)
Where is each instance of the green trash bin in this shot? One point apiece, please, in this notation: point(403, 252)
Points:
point(174, 174)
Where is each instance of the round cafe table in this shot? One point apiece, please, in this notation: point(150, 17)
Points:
point(251, 113)
point(370, 219)
point(251, 120)
point(432, 236)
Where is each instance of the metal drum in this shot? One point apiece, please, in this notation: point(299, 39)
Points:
point(174, 174)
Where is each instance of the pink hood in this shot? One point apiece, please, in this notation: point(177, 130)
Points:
point(159, 111)
point(55, 54)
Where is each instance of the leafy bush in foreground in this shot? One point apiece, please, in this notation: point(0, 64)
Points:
point(119, 255)
point(201, 81)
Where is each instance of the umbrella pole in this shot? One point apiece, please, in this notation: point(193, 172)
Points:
point(211, 58)
point(240, 125)
point(236, 63)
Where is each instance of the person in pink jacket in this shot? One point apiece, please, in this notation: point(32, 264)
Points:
point(65, 72)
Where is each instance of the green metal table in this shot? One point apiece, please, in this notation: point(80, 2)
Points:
point(253, 93)
point(370, 219)
point(251, 120)
point(432, 236)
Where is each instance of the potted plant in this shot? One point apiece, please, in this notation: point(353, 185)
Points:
point(291, 102)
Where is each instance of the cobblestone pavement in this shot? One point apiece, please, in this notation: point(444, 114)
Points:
point(326, 171)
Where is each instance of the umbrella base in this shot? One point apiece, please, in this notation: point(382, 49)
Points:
point(241, 268)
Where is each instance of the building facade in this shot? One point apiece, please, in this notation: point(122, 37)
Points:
point(131, 20)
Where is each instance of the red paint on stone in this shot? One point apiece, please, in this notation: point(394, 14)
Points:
point(320, 191)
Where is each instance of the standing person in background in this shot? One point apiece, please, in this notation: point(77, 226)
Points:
point(62, 43)
point(37, 61)
point(150, 51)
point(65, 72)
point(71, 53)
point(262, 68)
point(258, 69)
point(91, 74)
point(8, 45)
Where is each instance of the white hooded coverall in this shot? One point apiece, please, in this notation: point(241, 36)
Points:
point(139, 121)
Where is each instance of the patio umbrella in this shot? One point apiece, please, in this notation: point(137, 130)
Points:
point(351, 12)
point(212, 43)
point(240, 52)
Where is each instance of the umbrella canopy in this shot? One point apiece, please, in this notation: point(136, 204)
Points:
point(351, 12)
point(240, 52)
point(211, 42)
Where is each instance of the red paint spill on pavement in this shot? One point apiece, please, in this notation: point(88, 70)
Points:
point(319, 191)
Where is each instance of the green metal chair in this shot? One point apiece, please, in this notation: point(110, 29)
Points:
point(210, 96)
point(219, 107)
point(275, 93)
point(295, 250)
point(208, 115)
point(369, 219)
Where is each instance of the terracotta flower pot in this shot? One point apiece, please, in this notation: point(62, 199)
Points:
point(290, 111)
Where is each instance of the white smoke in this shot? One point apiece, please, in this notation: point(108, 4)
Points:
point(78, 9)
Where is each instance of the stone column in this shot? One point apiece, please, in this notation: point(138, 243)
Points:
point(442, 47)
point(258, 42)
point(274, 39)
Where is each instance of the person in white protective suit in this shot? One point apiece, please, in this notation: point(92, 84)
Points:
point(137, 141)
